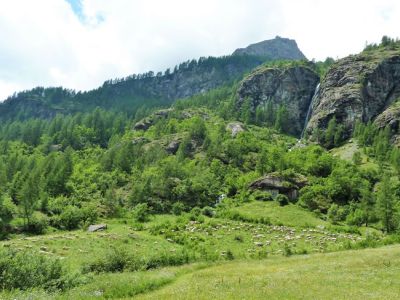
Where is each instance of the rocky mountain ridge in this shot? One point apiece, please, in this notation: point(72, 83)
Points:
point(149, 89)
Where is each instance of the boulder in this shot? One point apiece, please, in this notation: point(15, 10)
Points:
point(279, 184)
point(235, 128)
point(173, 146)
point(97, 227)
point(291, 86)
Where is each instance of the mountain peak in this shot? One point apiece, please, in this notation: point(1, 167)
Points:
point(277, 48)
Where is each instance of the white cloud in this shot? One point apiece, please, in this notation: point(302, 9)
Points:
point(45, 43)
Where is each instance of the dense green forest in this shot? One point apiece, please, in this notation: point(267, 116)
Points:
point(67, 171)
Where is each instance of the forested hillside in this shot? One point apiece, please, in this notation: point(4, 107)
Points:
point(219, 175)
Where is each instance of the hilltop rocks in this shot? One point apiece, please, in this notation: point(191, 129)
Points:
point(279, 184)
point(277, 48)
point(358, 87)
point(292, 87)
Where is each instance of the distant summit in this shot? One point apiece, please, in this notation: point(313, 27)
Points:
point(277, 48)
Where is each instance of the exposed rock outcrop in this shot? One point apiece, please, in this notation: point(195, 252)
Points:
point(173, 146)
point(358, 87)
point(278, 184)
point(277, 48)
point(147, 122)
point(292, 87)
point(235, 128)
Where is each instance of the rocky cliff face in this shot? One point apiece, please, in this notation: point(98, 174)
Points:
point(277, 48)
point(292, 87)
point(358, 87)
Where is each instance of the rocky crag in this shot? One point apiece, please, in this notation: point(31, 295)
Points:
point(277, 48)
point(292, 86)
point(361, 87)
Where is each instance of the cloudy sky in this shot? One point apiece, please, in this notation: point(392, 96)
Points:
point(80, 43)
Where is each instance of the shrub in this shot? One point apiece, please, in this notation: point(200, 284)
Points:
point(26, 270)
point(208, 211)
point(195, 215)
point(118, 260)
point(229, 255)
point(141, 212)
point(70, 218)
point(336, 213)
point(178, 208)
point(37, 224)
point(287, 251)
point(262, 196)
point(282, 199)
point(114, 260)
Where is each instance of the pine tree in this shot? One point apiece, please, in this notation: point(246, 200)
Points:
point(386, 209)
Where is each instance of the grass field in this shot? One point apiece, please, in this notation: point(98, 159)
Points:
point(360, 274)
point(288, 258)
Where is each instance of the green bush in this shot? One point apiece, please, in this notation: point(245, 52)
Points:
point(262, 196)
point(178, 208)
point(118, 260)
point(196, 215)
point(26, 270)
point(114, 260)
point(208, 211)
point(70, 218)
point(38, 224)
point(141, 212)
point(282, 199)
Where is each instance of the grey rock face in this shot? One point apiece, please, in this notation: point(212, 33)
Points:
point(358, 87)
point(277, 48)
point(292, 87)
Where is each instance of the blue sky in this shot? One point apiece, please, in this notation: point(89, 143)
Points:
point(80, 44)
point(76, 6)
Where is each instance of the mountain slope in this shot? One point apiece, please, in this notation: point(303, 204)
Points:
point(149, 89)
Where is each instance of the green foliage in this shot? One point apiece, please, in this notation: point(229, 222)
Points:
point(357, 159)
point(119, 260)
point(282, 199)
point(70, 218)
point(336, 214)
point(26, 270)
point(178, 208)
point(386, 205)
point(141, 212)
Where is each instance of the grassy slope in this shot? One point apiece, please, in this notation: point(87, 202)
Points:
point(362, 274)
point(290, 215)
point(347, 151)
point(215, 236)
